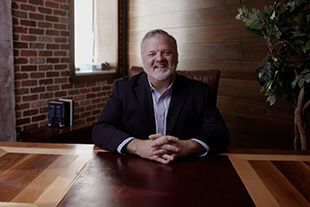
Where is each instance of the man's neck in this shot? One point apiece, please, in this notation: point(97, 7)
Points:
point(161, 85)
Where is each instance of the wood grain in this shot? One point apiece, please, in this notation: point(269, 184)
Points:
point(39, 174)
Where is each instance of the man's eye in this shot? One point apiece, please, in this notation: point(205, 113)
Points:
point(151, 54)
point(167, 53)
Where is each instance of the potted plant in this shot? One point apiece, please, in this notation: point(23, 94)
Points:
point(285, 71)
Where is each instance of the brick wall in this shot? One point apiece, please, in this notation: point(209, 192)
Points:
point(41, 63)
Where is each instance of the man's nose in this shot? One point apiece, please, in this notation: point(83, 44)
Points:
point(159, 57)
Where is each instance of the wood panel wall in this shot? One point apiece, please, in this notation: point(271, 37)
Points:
point(209, 37)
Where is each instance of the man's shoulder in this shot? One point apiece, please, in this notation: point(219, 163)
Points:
point(132, 80)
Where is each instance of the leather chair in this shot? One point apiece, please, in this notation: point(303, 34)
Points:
point(210, 77)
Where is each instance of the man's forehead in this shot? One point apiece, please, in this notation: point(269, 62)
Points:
point(156, 40)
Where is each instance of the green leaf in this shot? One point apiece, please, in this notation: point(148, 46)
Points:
point(248, 22)
point(245, 10)
point(293, 84)
point(308, 45)
point(298, 20)
point(238, 17)
point(272, 99)
point(240, 11)
point(273, 15)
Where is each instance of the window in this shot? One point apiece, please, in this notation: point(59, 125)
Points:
point(97, 47)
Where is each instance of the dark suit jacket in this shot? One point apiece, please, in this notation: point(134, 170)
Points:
point(129, 113)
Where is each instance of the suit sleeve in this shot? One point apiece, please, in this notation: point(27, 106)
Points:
point(106, 132)
point(214, 131)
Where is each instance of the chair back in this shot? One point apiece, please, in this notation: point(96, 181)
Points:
point(210, 77)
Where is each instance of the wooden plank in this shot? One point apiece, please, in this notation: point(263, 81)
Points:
point(34, 189)
point(201, 34)
point(282, 190)
point(58, 189)
point(259, 193)
point(145, 8)
point(23, 172)
point(298, 173)
point(12, 204)
point(260, 109)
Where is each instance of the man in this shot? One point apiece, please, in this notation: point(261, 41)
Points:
point(158, 114)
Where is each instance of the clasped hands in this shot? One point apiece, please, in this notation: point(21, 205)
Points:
point(163, 148)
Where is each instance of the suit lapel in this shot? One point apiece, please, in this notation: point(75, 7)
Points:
point(179, 95)
point(146, 104)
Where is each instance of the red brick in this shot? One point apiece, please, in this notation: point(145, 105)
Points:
point(51, 4)
point(60, 80)
point(23, 121)
point(36, 31)
point(30, 83)
point(36, 16)
point(20, 14)
point(52, 88)
point(51, 18)
point(36, 2)
point(21, 91)
point(66, 86)
point(45, 25)
point(94, 101)
point(37, 90)
point(46, 53)
point(37, 75)
point(45, 10)
point(52, 74)
point(60, 26)
point(46, 95)
point(85, 90)
point(22, 106)
point(21, 76)
point(52, 46)
point(45, 81)
point(29, 68)
point(61, 67)
point(39, 118)
point(33, 97)
point(30, 112)
point(60, 13)
point(73, 92)
point(52, 60)
point(28, 53)
point(61, 40)
point(28, 23)
point(20, 45)
point(65, 46)
point(52, 32)
point(61, 94)
point(29, 38)
point(27, 7)
point(60, 53)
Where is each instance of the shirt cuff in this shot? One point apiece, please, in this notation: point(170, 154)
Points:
point(204, 145)
point(122, 144)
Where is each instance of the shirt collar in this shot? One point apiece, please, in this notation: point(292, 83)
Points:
point(154, 89)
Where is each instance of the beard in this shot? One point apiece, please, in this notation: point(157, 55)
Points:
point(160, 75)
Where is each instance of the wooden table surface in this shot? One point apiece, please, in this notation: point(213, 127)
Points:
point(40, 174)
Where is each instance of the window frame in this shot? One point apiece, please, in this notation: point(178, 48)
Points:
point(121, 70)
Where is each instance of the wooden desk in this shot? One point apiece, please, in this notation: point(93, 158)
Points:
point(33, 174)
point(78, 133)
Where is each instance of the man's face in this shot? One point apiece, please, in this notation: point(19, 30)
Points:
point(159, 57)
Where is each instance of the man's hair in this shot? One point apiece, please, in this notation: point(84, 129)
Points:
point(152, 33)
